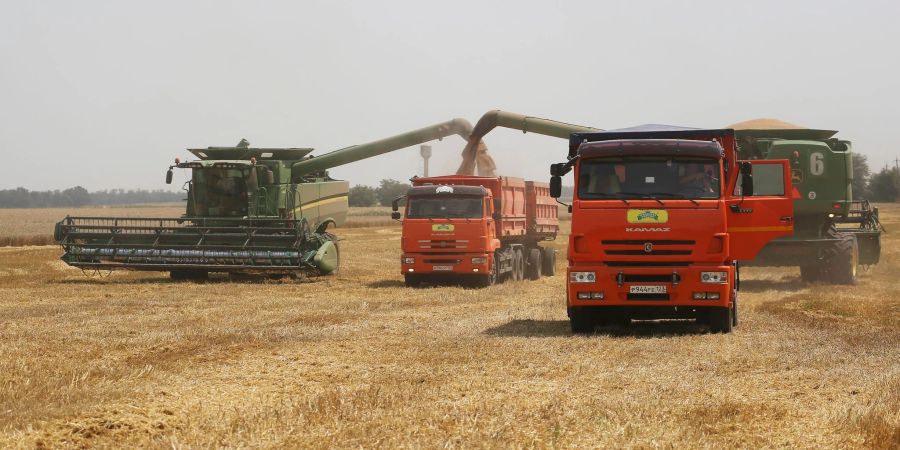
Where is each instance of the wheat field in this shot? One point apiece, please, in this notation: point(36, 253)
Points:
point(356, 360)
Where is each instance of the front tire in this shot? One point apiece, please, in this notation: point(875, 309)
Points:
point(580, 321)
point(412, 280)
point(721, 320)
point(843, 264)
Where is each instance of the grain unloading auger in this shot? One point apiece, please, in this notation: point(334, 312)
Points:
point(475, 153)
point(249, 211)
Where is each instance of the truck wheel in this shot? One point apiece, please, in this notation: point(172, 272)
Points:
point(734, 319)
point(534, 264)
point(189, 275)
point(491, 278)
point(721, 320)
point(518, 265)
point(581, 322)
point(843, 264)
point(412, 280)
point(548, 265)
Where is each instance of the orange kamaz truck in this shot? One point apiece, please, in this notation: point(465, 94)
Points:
point(660, 217)
point(482, 229)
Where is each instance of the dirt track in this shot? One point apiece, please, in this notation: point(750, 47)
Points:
point(359, 360)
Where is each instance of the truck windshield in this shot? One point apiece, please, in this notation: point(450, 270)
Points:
point(648, 177)
point(445, 207)
point(220, 192)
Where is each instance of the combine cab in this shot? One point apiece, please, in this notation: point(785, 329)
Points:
point(262, 211)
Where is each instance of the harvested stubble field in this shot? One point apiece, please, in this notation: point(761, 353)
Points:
point(357, 360)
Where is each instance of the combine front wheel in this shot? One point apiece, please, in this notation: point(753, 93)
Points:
point(843, 264)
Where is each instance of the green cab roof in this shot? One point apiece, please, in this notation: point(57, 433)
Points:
point(244, 153)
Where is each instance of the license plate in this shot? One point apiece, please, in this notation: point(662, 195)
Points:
point(647, 290)
point(441, 267)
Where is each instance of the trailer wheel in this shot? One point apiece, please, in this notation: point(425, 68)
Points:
point(721, 320)
point(844, 262)
point(534, 264)
point(548, 265)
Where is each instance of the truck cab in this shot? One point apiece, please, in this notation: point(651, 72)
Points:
point(659, 219)
point(483, 229)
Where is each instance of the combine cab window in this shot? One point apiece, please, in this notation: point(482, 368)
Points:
point(649, 177)
point(220, 192)
point(444, 207)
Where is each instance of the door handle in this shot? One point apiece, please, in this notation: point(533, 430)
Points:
point(739, 210)
point(787, 219)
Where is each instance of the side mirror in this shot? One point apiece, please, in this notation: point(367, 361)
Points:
point(558, 169)
point(270, 176)
point(556, 186)
point(169, 176)
point(395, 206)
point(747, 179)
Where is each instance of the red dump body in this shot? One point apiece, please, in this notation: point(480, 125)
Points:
point(525, 208)
point(476, 225)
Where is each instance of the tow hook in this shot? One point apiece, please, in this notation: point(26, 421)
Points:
point(675, 278)
point(620, 279)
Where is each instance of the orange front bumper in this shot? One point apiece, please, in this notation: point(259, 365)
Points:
point(680, 285)
point(449, 264)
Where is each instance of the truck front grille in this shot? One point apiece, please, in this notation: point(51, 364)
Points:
point(442, 261)
point(443, 243)
point(650, 247)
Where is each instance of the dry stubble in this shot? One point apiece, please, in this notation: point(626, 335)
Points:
point(359, 360)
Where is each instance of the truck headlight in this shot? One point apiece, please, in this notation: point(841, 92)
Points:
point(714, 277)
point(408, 260)
point(479, 260)
point(583, 277)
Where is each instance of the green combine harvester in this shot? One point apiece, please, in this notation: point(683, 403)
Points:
point(833, 234)
point(253, 211)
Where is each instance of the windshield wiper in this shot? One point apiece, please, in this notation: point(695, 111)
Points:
point(642, 196)
point(597, 195)
point(679, 196)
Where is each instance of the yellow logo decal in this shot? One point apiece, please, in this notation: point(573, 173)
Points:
point(648, 216)
point(442, 227)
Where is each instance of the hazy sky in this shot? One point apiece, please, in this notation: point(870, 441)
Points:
point(106, 93)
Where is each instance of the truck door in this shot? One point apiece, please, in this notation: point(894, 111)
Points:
point(754, 220)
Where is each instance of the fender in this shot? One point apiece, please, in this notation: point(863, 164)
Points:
point(323, 225)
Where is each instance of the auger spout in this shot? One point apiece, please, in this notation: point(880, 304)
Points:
point(355, 153)
point(475, 153)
